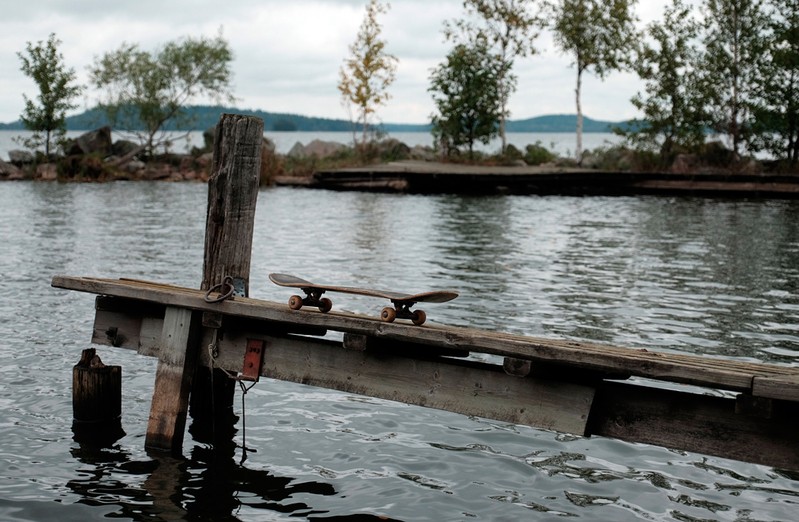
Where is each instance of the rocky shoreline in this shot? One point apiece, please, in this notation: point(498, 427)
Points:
point(395, 167)
point(93, 157)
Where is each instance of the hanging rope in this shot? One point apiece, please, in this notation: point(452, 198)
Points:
point(244, 390)
point(213, 353)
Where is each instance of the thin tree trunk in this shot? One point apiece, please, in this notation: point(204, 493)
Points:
point(502, 128)
point(579, 150)
point(365, 126)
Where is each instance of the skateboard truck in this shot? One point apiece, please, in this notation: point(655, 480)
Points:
point(313, 297)
point(402, 310)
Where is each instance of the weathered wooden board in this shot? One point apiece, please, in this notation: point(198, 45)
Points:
point(128, 323)
point(176, 360)
point(680, 368)
point(784, 387)
point(459, 386)
point(693, 422)
point(406, 372)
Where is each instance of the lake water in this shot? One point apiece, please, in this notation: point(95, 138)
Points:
point(561, 143)
point(714, 277)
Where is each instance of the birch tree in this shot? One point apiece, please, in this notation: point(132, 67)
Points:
point(777, 112)
point(672, 106)
point(366, 75)
point(599, 35)
point(734, 48)
point(510, 27)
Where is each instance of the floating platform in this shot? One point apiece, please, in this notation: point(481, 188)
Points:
point(421, 177)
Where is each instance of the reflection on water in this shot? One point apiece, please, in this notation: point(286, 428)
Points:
point(208, 485)
point(713, 277)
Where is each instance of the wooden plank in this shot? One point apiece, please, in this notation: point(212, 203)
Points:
point(126, 322)
point(177, 358)
point(783, 387)
point(681, 368)
point(694, 422)
point(460, 386)
point(140, 329)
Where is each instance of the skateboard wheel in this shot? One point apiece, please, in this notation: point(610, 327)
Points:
point(419, 317)
point(295, 302)
point(325, 305)
point(388, 314)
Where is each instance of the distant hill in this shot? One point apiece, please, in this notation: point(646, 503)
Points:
point(206, 116)
point(561, 123)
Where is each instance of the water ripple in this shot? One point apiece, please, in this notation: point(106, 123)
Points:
point(714, 277)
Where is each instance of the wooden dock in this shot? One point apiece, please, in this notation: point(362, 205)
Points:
point(579, 388)
point(421, 177)
point(206, 338)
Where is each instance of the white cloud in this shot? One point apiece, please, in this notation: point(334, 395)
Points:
point(288, 54)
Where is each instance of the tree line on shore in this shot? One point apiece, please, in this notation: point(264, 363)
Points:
point(730, 67)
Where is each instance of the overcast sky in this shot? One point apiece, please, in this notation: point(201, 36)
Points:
point(287, 54)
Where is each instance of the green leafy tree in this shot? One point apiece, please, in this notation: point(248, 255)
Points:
point(671, 105)
point(57, 90)
point(366, 75)
point(735, 43)
point(777, 111)
point(466, 91)
point(144, 91)
point(600, 36)
point(511, 27)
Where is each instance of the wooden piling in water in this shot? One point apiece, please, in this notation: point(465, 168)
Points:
point(232, 197)
point(232, 194)
point(96, 400)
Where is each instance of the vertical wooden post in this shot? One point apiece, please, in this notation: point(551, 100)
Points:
point(232, 196)
point(176, 362)
point(96, 401)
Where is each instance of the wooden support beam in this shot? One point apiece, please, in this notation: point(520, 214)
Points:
point(128, 323)
point(694, 422)
point(784, 387)
point(461, 386)
point(176, 362)
point(96, 401)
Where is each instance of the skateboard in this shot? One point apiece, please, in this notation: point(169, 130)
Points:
point(402, 302)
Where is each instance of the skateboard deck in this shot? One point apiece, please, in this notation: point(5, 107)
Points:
point(402, 302)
